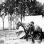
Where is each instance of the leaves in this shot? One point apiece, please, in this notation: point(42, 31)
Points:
point(20, 6)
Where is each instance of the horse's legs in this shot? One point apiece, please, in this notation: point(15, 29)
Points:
point(41, 38)
point(26, 35)
point(33, 37)
point(33, 40)
point(26, 32)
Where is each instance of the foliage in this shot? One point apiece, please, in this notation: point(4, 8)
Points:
point(20, 6)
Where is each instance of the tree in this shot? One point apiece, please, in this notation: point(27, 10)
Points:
point(35, 8)
point(10, 7)
point(22, 7)
point(43, 10)
point(2, 12)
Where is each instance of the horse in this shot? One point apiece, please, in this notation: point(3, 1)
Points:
point(27, 28)
point(38, 33)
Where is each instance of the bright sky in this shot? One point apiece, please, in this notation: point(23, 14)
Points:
point(42, 1)
point(1, 1)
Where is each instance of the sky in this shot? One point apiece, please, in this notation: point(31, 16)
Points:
point(42, 1)
point(1, 1)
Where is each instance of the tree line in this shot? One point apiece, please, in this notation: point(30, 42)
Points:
point(20, 7)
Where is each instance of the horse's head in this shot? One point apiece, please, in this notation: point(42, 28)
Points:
point(19, 24)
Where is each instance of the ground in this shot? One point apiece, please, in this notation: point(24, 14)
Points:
point(12, 38)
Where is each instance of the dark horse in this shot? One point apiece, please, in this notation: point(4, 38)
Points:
point(38, 33)
point(27, 29)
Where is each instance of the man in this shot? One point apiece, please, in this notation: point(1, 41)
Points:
point(29, 28)
point(30, 31)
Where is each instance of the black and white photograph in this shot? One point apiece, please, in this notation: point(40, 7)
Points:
point(21, 21)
